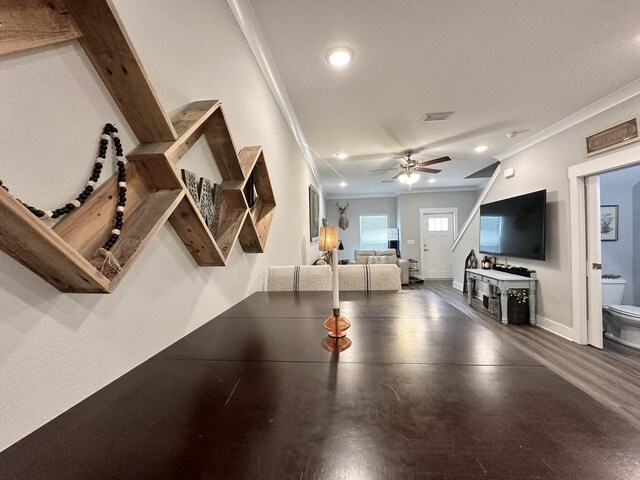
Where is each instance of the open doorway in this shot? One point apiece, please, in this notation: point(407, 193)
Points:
point(620, 258)
point(601, 209)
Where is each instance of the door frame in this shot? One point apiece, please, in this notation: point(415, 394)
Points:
point(423, 211)
point(578, 229)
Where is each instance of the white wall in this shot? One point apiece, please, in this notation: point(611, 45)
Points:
point(544, 165)
point(358, 206)
point(56, 349)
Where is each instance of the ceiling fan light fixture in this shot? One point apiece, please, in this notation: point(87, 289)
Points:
point(339, 56)
point(410, 179)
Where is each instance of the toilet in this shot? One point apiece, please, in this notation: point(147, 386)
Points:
point(621, 322)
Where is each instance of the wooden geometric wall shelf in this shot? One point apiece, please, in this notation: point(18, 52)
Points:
point(155, 191)
point(195, 120)
point(255, 229)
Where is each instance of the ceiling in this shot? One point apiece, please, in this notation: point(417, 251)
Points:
point(499, 65)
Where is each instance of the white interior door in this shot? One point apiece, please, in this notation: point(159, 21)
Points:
point(594, 272)
point(437, 238)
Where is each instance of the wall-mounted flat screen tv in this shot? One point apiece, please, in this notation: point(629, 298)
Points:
point(515, 227)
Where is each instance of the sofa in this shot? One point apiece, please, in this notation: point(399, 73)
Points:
point(304, 278)
point(363, 257)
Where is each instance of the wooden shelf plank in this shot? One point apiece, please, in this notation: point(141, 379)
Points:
point(107, 45)
point(221, 146)
point(189, 126)
point(255, 230)
point(27, 239)
point(142, 225)
point(248, 157)
point(229, 230)
point(194, 233)
point(34, 23)
point(86, 228)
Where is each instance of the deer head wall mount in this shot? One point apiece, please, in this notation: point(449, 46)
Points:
point(343, 223)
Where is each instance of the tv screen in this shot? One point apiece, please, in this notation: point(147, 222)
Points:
point(514, 227)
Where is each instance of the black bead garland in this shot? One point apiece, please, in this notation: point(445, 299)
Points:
point(109, 131)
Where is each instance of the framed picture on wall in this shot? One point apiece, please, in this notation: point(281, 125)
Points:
point(314, 214)
point(608, 222)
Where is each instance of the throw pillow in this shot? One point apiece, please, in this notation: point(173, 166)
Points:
point(376, 260)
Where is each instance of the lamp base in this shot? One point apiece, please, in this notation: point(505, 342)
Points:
point(336, 325)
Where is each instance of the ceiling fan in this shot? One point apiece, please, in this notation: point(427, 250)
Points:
point(408, 171)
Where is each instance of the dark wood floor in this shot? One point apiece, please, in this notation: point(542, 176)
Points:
point(611, 376)
point(429, 389)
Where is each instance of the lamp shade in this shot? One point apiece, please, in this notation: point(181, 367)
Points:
point(328, 238)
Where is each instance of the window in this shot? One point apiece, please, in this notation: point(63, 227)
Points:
point(438, 224)
point(373, 232)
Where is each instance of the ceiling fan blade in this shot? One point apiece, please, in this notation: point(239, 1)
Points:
point(397, 175)
point(383, 169)
point(434, 161)
point(427, 170)
point(388, 181)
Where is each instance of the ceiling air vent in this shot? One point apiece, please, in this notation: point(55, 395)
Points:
point(436, 117)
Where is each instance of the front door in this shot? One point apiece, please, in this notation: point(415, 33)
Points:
point(437, 238)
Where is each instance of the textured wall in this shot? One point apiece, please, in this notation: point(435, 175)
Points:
point(56, 349)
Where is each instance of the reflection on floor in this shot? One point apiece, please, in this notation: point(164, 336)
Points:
point(611, 376)
point(618, 348)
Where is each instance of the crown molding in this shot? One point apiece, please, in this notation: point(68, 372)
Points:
point(248, 23)
point(625, 93)
point(395, 195)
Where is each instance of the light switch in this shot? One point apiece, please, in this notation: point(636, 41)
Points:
point(411, 242)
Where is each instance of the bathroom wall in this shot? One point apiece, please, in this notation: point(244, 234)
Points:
point(616, 188)
point(635, 195)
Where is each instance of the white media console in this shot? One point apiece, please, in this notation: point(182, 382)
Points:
point(504, 281)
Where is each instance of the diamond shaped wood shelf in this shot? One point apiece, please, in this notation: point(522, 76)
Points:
point(198, 119)
point(255, 229)
point(155, 191)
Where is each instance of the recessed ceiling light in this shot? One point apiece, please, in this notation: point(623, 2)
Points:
point(341, 156)
point(481, 148)
point(431, 180)
point(339, 56)
point(343, 184)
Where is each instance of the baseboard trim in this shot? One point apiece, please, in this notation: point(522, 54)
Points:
point(555, 327)
point(458, 286)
